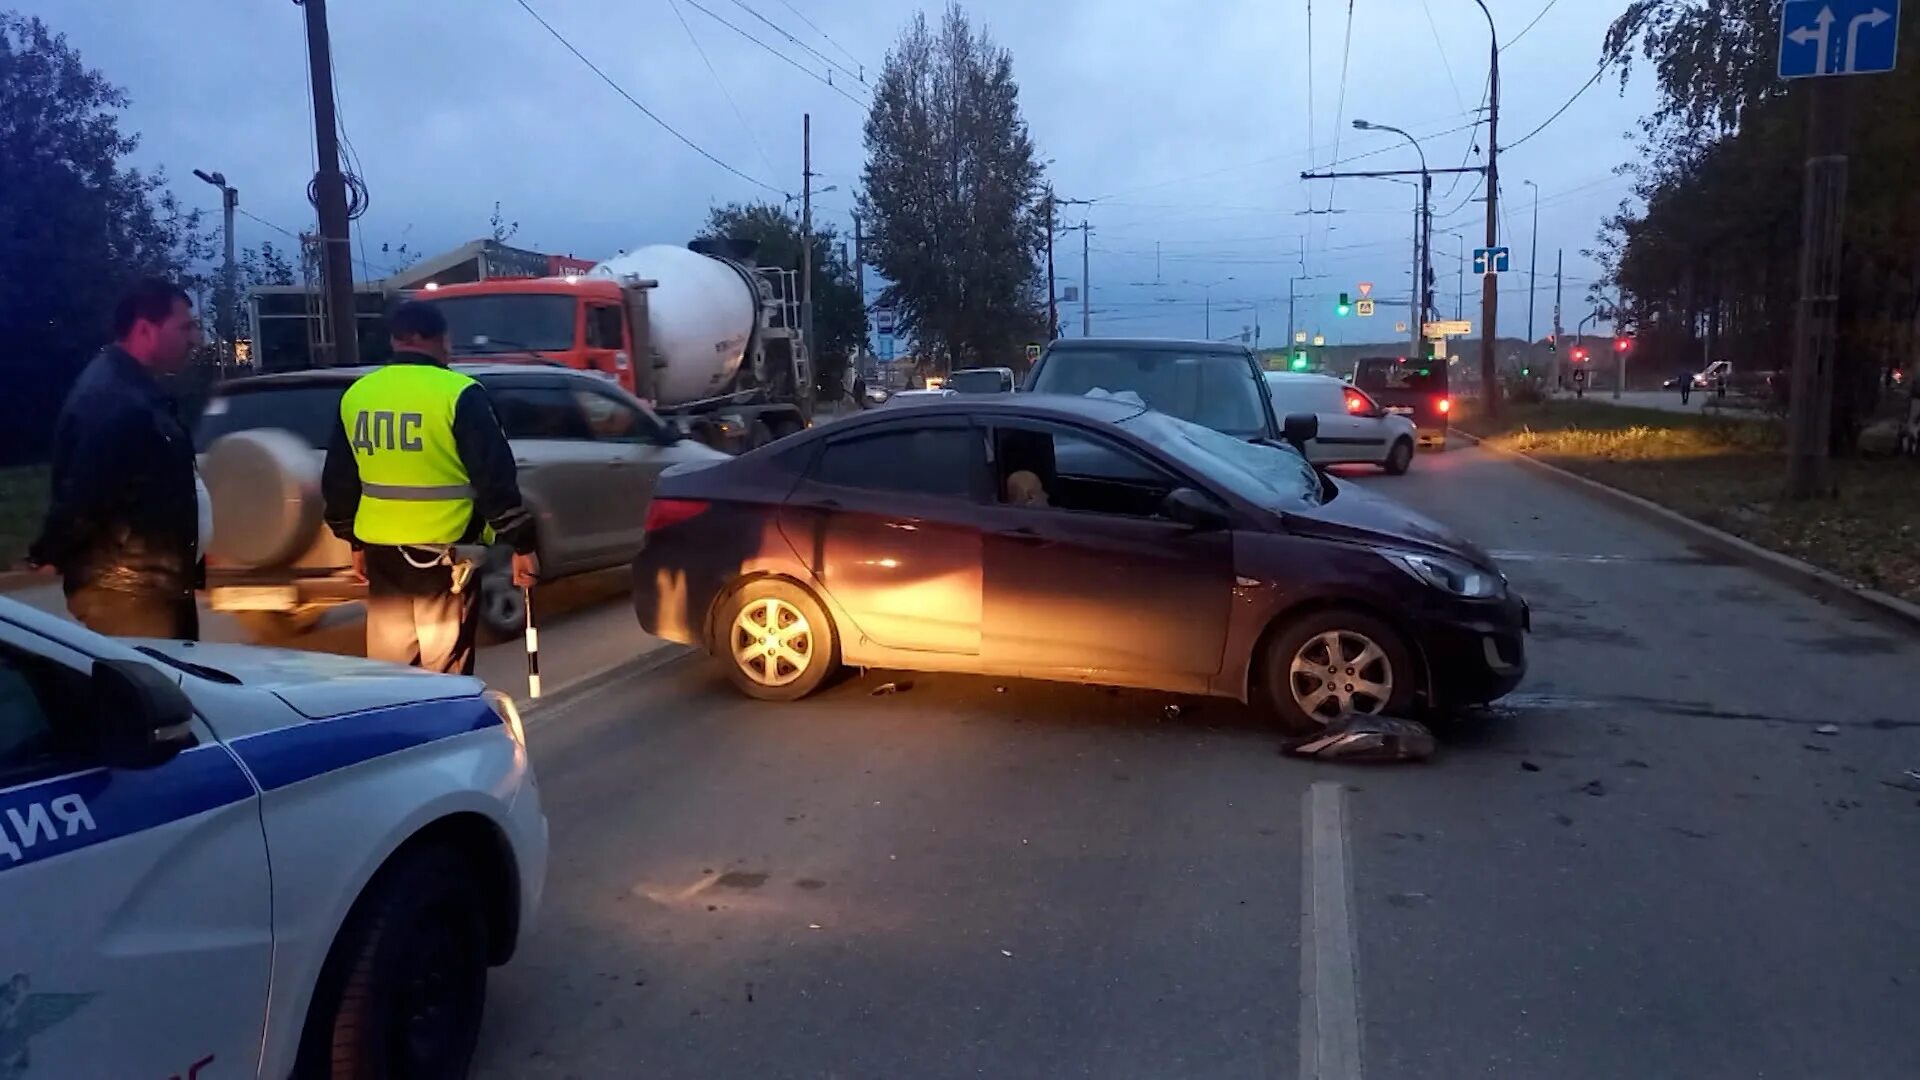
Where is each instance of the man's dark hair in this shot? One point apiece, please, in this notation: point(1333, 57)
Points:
point(416, 319)
point(151, 299)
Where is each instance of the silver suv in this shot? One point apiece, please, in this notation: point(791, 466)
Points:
point(588, 453)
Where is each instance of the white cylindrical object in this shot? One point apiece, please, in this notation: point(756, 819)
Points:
point(700, 317)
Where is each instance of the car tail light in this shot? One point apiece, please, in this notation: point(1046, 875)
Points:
point(1354, 404)
point(1446, 405)
point(666, 513)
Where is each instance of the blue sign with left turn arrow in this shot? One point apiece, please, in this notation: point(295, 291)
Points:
point(1820, 38)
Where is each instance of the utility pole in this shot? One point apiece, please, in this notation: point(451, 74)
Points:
point(1413, 298)
point(1559, 267)
point(1489, 284)
point(1053, 302)
point(330, 190)
point(806, 233)
point(1810, 409)
point(860, 277)
point(1619, 354)
point(1533, 265)
point(1086, 283)
point(224, 318)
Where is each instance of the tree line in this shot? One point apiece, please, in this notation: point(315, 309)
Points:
point(1708, 265)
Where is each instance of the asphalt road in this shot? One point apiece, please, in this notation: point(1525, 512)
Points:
point(1653, 861)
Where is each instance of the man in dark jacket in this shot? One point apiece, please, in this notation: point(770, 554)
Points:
point(122, 528)
point(417, 467)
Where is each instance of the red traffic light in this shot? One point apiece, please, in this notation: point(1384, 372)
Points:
point(1579, 356)
point(1622, 344)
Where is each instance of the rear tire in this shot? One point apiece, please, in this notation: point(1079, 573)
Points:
point(1307, 687)
point(403, 991)
point(1399, 459)
point(775, 641)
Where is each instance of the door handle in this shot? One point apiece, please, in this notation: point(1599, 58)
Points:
point(1022, 536)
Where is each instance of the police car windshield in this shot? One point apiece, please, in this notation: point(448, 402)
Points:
point(309, 410)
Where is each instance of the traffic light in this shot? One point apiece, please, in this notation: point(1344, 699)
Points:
point(1579, 355)
point(1553, 343)
point(1622, 344)
point(1299, 362)
point(1345, 307)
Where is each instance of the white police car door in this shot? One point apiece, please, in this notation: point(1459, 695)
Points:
point(135, 928)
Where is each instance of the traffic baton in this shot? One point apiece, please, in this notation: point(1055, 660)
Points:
point(533, 648)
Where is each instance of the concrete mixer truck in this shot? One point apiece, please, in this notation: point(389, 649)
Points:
point(701, 333)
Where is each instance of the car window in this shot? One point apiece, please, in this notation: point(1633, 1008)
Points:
point(539, 412)
point(929, 461)
point(610, 419)
point(603, 328)
point(981, 381)
point(1039, 465)
point(33, 693)
point(309, 410)
point(1217, 389)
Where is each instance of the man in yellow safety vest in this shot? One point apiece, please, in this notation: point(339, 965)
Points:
point(417, 465)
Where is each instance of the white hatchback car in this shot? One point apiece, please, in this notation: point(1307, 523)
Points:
point(1354, 429)
point(222, 860)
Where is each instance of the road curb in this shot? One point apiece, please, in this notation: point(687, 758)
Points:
point(1804, 576)
point(584, 686)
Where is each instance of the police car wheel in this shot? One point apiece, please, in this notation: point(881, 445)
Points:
point(775, 640)
point(1333, 662)
point(403, 990)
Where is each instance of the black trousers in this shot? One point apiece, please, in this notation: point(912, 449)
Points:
point(413, 616)
point(120, 613)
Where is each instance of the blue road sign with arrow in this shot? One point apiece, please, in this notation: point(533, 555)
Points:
point(1495, 260)
point(1819, 38)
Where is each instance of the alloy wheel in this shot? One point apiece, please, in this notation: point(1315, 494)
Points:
point(772, 642)
point(1339, 673)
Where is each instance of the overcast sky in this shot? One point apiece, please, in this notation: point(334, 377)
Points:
point(1188, 120)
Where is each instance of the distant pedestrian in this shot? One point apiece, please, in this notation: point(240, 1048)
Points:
point(1720, 385)
point(124, 521)
point(1686, 388)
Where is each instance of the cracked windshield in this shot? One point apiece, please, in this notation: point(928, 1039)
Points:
point(960, 538)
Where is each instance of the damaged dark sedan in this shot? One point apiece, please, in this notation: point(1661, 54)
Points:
point(1073, 539)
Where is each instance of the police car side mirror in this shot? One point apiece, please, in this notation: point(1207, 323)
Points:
point(141, 718)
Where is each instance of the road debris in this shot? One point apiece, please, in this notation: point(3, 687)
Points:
point(1816, 747)
point(1171, 712)
point(1908, 781)
point(1407, 899)
point(813, 926)
point(886, 688)
point(1634, 763)
point(1367, 740)
point(1827, 729)
point(1005, 953)
point(1528, 766)
point(1594, 788)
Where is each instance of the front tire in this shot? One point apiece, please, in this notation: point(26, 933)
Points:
point(1399, 459)
point(775, 640)
point(402, 992)
point(1334, 663)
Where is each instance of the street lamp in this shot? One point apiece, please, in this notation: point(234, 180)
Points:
point(223, 318)
point(1208, 286)
point(1460, 288)
point(1422, 228)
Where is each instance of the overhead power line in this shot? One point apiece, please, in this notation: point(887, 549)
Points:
point(635, 102)
point(1584, 87)
point(795, 64)
point(857, 76)
point(722, 84)
point(828, 38)
point(1515, 39)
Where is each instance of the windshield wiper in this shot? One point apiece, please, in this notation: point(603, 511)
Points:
point(202, 671)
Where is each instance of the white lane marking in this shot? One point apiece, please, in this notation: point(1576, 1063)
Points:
point(1329, 979)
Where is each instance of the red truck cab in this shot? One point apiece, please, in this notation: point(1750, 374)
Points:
point(577, 322)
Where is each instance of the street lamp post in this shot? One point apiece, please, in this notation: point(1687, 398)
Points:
point(1422, 240)
point(1489, 289)
point(1460, 281)
point(1208, 286)
point(223, 324)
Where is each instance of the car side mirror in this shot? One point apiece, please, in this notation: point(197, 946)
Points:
point(141, 718)
point(1300, 429)
point(1191, 508)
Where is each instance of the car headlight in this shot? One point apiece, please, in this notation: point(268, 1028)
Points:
point(1455, 577)
point(509, 714)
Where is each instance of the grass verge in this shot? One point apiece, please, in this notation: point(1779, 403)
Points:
point(1728, 473)
point(23, 506)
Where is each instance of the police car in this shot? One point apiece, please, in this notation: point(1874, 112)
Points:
point(226, 861)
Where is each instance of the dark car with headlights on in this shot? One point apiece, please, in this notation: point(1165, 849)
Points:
point(1072, 539)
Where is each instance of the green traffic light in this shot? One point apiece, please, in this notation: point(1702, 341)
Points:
point(1299, 362)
